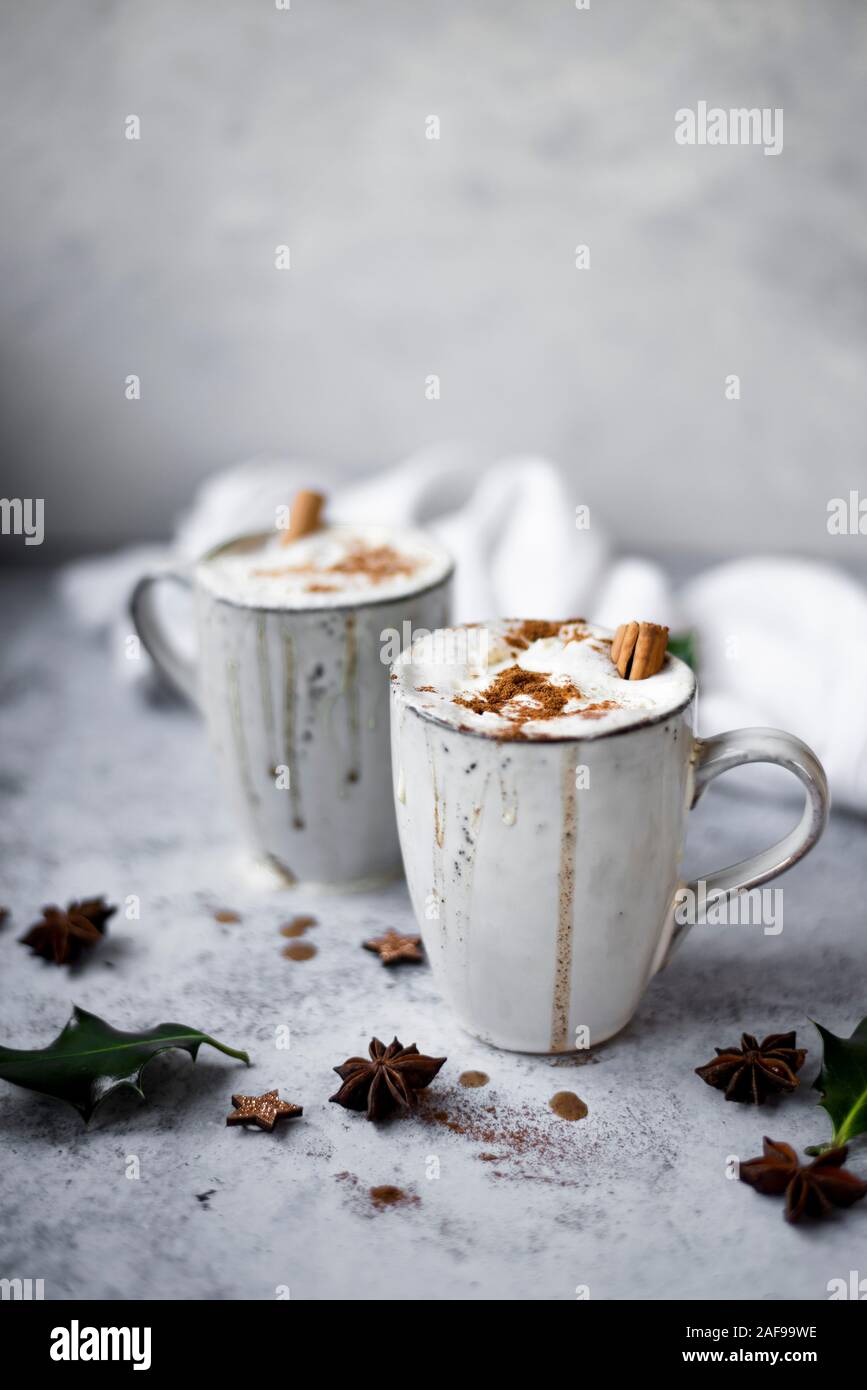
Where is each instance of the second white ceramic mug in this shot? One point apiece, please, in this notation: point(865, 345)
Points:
point(296, 703)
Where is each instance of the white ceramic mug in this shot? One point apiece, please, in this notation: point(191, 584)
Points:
point(296, 703)
point(546, 896)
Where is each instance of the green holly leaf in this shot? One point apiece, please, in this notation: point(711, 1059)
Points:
point(843, 1082)
point(90, 1060)
point(682, 644)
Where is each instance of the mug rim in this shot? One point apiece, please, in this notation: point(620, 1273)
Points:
point(318, 608)
point(465, 731)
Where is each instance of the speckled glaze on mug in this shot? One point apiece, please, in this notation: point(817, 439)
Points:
point(546, 899)
point(296, 704)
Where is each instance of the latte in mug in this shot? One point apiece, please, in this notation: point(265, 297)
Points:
point(541, 801)
point(334, 566)
point(290, 678)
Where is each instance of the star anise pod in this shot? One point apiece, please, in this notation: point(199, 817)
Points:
point(811, 1190)
point(61, 936)
point(95, 910)
point(386, 1082)
point(755, 1070)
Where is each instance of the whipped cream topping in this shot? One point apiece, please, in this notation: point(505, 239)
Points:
point(335, 566)
point(532, 680)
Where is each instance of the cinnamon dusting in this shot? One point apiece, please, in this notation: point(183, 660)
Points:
point(598, 710)
point(377, 562)
point(531, 630)
point(523, 696)
point(548, 700)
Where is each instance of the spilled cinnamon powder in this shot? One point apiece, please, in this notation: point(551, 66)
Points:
point(368, 1201)
point(568, 1106)
point(388, 1196)
point(524, 1141)
point(299, 950)
point(298, 926)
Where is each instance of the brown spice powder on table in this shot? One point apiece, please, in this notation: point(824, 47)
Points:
point(389, 1196)
point(524, 1142)
point(299, 950)
point(298, 926)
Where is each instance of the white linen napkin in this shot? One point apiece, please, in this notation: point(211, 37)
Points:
point(781, 642)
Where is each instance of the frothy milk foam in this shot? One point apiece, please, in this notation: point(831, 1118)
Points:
point(565, 686)
point(336, 566)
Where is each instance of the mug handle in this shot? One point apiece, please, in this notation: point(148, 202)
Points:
point(720, 754)
point(179, 670)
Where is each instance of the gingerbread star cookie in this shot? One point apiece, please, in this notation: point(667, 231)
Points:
point(263, 1111)
point(394, 947)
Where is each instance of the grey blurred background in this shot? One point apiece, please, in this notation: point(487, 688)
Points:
point(410, 256)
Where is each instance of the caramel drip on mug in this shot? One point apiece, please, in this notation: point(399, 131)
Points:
point(290, 752)
point(565, 906)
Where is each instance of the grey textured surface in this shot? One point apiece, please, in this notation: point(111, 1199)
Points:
point(102, 791)
point(411, 256)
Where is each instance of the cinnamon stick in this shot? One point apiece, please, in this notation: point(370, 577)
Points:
point(304, 515)
point(623, 646)
point(638, 650)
